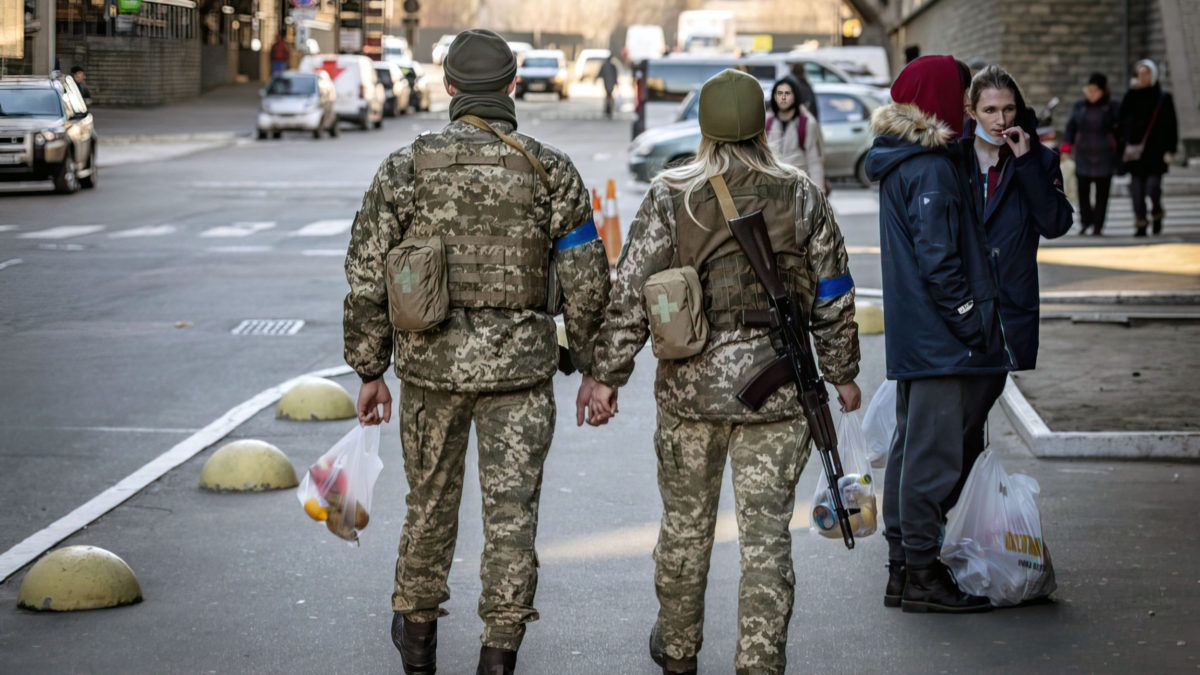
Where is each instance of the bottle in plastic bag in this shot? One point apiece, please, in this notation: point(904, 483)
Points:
point(857, 486)
point(337, 488)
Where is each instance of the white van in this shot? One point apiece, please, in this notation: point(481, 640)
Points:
point(643, 41)
point(360, 96)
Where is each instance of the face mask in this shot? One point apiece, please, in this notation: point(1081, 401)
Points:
point(979, 131)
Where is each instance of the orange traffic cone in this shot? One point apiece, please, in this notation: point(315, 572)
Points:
point(595, 205)
point(610, 227)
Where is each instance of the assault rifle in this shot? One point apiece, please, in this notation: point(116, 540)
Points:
point(795, 361)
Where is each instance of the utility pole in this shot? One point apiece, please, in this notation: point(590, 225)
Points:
point(411, 21)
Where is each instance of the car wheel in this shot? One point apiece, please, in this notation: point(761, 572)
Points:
point(93, 169)
point(67, 180)
point(317, 134)
point(860, 172)
point(378, 124)
point(276, 135)
point(365, 122)
point(262, 135)
point(333, 129)
point(678, 160)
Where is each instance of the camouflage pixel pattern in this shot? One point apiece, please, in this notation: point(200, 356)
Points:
point(514, 430)
point(474, 349)
point(705, 387)
point(766, 461)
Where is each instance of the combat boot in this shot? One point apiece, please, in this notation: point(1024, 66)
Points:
point(417, 643)
point(496, 661)
point(932, 588)
point(1156, 218)
point(669, 665)
point(895, 583)
point(1140, 224)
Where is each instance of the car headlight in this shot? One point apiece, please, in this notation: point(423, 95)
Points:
point(51, 135)
point(641, 147)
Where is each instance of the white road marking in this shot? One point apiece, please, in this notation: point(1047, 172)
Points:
point(238, 229)
point(330, 252)
point(854, 204)
point(10, 263)
point(62, 232)
point(38, 543)
point(123, 430)
point(281, 185)
point(7, 228)
point(239, 249)
point(147, 231)
point(324, 228)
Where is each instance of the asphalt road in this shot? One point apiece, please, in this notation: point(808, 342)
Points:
point(117, 345)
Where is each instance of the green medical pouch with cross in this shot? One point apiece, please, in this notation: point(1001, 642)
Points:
point(674, 302)
point(417, 286)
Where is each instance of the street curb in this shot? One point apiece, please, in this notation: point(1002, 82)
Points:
point(205, 137)
point(1094, 297)
point(1048, 444)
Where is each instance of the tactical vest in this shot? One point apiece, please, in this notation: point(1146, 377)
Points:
point(725, 273)
point(479, 198)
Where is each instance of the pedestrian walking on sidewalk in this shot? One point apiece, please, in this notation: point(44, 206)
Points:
point(942, 333)
point(608, 74)
point(1092, 139)
point(1017, 194)
point(79, 76)
point(1149, 133)
point(680, 239)
point(794, 133)
point(279, 55)
point(450, 264)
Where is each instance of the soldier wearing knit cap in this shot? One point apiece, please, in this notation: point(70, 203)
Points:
point(509, 222)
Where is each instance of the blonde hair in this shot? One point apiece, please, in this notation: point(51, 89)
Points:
point(714, 158)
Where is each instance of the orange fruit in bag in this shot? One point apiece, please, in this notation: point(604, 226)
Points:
point(314, 509)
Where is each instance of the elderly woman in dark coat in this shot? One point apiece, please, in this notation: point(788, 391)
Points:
point(1092, 138)
point(1147, 118)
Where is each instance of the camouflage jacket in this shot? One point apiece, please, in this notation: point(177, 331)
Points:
point(705, 387)
point(486, 349)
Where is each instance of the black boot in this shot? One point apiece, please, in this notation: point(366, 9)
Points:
point(1156, 218)
point(1141, 227)
point(496, 661)
point(669, 665)
point(417, 643)
point(895, 584)
point(932, 588)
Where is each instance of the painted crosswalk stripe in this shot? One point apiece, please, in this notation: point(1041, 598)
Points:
point(62, 232)
point(323, 252)
point(147, 231)
point(238, 229)
point(7, 228)
point(324, 228)
point(10, 263)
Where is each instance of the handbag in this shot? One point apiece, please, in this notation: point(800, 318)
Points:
point(1133, 153)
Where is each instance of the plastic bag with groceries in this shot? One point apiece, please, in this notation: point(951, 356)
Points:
point(337, 488)
point(994, 541)
point(857, 485)
point(879, 424)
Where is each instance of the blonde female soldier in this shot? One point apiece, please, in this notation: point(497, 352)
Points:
point(683, 279)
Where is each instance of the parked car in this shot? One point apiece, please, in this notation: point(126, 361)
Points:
point(360, 95)
point(587, 66)
point(395, 88)
point(395, 48)
point(293, 100)
point(519, 49)
point(418, 84)
point(439, 49)
point(542, 70)
point(845, 128)
point(46, 132)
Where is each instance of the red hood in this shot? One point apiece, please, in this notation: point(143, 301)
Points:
point(931, 83)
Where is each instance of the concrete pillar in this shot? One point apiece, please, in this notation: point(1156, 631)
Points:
point(43, 40)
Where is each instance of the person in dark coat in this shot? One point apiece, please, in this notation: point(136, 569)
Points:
point(1092, 138)
point(943, 335)
point(1147, 116)
point(608, 74)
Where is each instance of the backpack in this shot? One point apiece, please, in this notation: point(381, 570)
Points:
point(801, 126)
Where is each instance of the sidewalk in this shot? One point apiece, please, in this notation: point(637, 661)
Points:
point(223, 113)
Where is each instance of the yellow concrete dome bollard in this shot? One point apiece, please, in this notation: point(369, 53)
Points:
point(313, 399)
point(869, 316)
point(78, 577)
point(248, 466)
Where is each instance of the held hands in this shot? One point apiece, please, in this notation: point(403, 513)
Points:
point(372, 395)
point(1019, 147)
point(596, 401)
point(849, 396)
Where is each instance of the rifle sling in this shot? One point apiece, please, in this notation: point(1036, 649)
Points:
point(723, 197)
point(512, 143)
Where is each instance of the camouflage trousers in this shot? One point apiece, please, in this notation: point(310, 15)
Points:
point(766, 460)
point(513, 430)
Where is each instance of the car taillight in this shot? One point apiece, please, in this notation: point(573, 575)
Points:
point(639, 95)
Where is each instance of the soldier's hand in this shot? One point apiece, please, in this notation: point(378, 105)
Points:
point(603, 405)
point(849, 396)
point(371, 396)
point(583, 398)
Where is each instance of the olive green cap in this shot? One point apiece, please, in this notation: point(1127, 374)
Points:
point(731, 107)
point(479, 61)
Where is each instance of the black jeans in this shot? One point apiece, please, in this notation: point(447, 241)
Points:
point(1092, 213)
point(1141, 187)
point(939, 435)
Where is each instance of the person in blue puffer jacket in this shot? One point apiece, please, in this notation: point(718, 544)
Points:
point(943, 335)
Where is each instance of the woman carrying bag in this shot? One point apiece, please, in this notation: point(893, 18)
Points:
point(683, 280)
point(1150, 131)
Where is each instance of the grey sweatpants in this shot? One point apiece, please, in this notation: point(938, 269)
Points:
point(939, 435)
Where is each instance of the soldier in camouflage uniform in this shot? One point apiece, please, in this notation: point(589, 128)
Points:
point(700, 420)
point(514, 221)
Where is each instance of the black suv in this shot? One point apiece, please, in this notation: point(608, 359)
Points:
point(46, 131)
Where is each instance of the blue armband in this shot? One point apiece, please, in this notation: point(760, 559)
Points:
point(832, 288)
point(578, 236)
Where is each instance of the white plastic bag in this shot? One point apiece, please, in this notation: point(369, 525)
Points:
point(994, 541)
point(857, 485)
point(879, 424)
point(337, 488)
